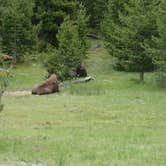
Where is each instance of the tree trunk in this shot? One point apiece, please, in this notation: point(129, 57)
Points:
point(141, 76)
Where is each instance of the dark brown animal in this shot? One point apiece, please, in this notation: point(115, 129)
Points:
point(49, 86)
point(81, 71)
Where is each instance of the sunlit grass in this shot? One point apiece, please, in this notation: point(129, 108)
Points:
point(25, 76)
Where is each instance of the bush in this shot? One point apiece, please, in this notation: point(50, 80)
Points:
point(71, 49)
point(3, 84)
point(53, 64)
point(4, 74)
point(17, 34)
point(68, 54)
point(128, 28)
point(159, 52)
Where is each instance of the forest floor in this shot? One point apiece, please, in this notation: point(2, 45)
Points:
point(112, 120)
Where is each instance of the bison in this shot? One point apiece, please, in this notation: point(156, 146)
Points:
point(81, 71)
point(49, 86)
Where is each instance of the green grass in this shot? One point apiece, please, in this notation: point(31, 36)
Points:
point(25, 76)
point(113, 120)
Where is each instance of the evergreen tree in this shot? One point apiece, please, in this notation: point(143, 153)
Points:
point(95, 9)
point(72, 47)
point(81, 23)
point(49, 15)
point(3, 80)
point(159, 52)
point(128, 29)
point(16, 30)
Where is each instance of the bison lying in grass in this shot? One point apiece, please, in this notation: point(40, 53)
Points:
point(47, 87)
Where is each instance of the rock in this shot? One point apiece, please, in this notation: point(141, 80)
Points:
point(49, 86)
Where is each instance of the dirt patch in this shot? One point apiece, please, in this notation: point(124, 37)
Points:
point(18, 94)
point(23, 164)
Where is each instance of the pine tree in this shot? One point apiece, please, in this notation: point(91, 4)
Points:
point(3, 80)
point(49, 15)
point(81, 23)
point(72, 46)
point(95, 10)
point(16, 30)
point(159, 52)
point(128, 29)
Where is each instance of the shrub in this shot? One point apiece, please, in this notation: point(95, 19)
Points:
point(3, 83)
point(159, 52)
point(128, 29)
point(71, 49)
point(17, 33)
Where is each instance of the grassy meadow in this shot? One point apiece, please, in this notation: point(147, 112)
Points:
point(111, 121)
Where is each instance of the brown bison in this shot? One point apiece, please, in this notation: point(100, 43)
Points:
point(81, 71)
point(49, 86)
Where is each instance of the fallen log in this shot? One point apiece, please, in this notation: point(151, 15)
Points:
point(91, 35)
point(84, 80)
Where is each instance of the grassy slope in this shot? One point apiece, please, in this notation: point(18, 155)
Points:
point(113, 120)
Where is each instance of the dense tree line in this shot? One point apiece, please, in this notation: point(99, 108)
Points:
point(56, 25)
point(49, 15)
point(133, 32)
point(130, 28)
point(16, 29)
point(128, 31)
point(159, 51)
point(96, 10)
